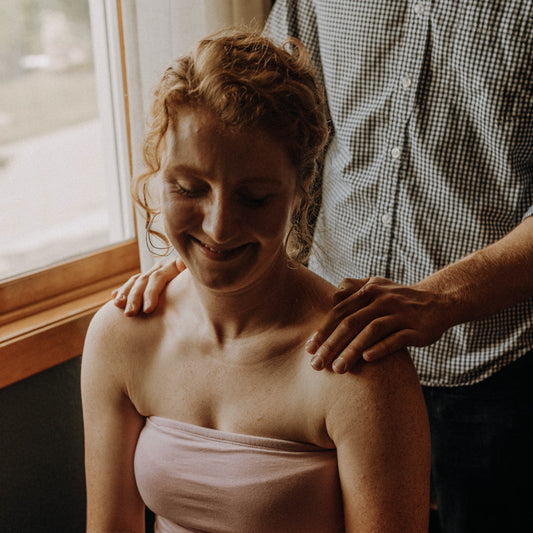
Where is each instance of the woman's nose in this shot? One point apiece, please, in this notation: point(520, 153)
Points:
point(220, 221)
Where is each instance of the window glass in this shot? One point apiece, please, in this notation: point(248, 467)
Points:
point(56, 200)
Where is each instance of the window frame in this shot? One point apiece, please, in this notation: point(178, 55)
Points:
point(44, 314)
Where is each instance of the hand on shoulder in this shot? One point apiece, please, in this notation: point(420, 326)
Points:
point(143, 291)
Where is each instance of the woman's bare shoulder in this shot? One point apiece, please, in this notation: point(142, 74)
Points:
point(111, 328)
point(378, 423)
point(123, 338)
point(322, 288)
point(112, 325)
point(386, 390)
point(384, 375)
point(314, 294)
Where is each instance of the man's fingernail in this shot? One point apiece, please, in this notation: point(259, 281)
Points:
point(311, 346)
point(316, 363)
point(339, 365)
point(146, 305)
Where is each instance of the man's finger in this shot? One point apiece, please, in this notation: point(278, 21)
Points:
point(376, 331)
point(135, 296)
point(347, 287)
point(350, 305)
point(392, 344)
point(339, 338)
point(180, 265)
point(157, 281)
point(120, 295)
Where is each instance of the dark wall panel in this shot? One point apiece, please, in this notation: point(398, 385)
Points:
point(42, 482)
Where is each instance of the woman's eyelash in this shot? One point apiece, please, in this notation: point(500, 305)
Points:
point(255, 202)
point(186, 192)
point(248, 200)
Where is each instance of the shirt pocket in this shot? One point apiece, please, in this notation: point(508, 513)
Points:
point(492, 57)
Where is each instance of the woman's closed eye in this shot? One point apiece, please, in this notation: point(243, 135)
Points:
point(189, 192)
point(252, 199)
point(255, 201)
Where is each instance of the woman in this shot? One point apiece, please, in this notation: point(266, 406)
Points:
point(207, 410)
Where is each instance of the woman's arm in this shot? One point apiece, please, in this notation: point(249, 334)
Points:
point(379, 425)
point(112, 426)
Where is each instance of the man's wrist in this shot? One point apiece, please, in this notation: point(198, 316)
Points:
point(447, 296)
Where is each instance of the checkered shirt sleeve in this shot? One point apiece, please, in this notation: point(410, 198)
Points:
point(432, 153)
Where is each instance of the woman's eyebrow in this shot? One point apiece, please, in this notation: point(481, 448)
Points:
point(261, 180)
point(179, 168)
point(187, 170)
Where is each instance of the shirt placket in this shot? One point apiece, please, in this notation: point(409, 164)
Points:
point(405, 79)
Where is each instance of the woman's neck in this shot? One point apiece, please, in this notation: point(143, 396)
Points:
point(268, 303)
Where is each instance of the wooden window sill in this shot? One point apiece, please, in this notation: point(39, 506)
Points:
point(47, 332)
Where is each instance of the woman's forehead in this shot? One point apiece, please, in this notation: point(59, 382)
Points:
point(200, 120)
point(199, 130)
point(198, 145)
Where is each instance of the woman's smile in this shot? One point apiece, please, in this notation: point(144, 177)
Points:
point(217, 253)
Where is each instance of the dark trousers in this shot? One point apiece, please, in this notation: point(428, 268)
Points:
point(482, 452)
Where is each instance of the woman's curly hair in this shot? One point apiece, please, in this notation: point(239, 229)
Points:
point(247, 82)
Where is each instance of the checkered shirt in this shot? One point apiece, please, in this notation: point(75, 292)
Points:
point(431, 103)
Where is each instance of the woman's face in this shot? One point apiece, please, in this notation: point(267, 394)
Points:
point(226, 198)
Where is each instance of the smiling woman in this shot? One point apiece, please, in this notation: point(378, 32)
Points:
point(207, 410)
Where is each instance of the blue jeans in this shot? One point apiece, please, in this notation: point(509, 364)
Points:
point(482, 452)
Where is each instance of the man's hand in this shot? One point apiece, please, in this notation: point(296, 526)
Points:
point(376, 317)
point(143, 290)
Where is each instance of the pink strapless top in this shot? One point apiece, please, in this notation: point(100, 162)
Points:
point(204, 480)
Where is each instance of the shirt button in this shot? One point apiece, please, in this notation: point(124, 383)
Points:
point(386, 219)
point(395, 152)
point(406, 82)
point(419, 9)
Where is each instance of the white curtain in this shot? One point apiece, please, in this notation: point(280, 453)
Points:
point(157, 31)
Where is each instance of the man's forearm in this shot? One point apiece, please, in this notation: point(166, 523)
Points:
point(488, 280)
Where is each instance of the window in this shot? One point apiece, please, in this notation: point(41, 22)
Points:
point(63, 164)
point(67, 224)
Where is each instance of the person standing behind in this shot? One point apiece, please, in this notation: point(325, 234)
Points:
point(426, 223)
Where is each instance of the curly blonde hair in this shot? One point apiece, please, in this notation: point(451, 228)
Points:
point(246, 81)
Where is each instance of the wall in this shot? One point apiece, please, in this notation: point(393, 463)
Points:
point(42, 482)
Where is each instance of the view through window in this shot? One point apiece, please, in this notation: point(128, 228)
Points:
point(55, 199)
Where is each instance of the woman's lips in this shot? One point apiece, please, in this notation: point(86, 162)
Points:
point(218, 254)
